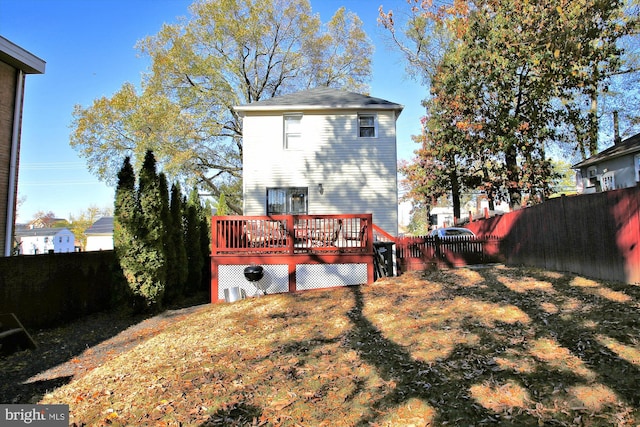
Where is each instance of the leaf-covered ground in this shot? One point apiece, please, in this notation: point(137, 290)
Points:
point(490, 346)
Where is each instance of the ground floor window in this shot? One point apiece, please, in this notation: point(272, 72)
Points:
point(287, 201)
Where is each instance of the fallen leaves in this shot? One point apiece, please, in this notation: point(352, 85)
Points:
point(443, 347)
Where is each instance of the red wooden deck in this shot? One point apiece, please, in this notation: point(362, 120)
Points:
point(301, 244)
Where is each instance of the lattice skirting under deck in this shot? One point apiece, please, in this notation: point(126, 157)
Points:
point(276, 277)
point(318, 276)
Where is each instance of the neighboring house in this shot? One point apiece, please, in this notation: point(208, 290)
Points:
point(100, 235)
point(321, 151)
point(15, 64)
point(43, 240)
point(45, 222)
point(616, 167)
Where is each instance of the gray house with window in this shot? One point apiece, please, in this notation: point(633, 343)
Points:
point(321, 151)
point(616, 167)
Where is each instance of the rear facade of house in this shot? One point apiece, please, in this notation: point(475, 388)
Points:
point(321, 151)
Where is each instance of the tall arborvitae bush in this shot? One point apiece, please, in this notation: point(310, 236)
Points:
point(177, 268)
point(152, 276)
point(205, 245)
point(192, 242)
point(125, 228)
point(161, 240)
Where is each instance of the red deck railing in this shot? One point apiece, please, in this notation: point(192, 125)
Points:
point(291, 234)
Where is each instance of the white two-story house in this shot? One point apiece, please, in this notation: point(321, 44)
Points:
point(44, 240)
point(321, 151)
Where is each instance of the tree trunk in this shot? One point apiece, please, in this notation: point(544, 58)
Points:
point(592, 132)
point(513, 177)
point(455, 188)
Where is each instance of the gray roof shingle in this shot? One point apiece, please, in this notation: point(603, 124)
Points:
point(102, 226)
point(321, 98)
point(32, 232)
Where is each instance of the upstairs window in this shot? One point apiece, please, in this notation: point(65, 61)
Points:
point(367, 126)
point(293, 131)
point(287, 201)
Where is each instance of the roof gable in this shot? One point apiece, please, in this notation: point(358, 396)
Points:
point(102, 226)
point(630, 145)
point(321, 98)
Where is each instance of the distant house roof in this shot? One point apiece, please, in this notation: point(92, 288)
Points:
point(41, 232)
point(321, 98)
point(102, 226)
point(45, 222)
point(628, 146)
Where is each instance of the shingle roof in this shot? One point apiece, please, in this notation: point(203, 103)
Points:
point(102, 226)
point(321, 98)
point(628, 146)
point(40, 231)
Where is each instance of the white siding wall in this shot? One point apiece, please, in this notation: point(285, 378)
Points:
point(62, 241)
point(99, 243)
point(358, 175)
point(32, 245)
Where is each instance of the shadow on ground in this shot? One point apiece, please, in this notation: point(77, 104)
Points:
point(573, 318)
point(68, 351)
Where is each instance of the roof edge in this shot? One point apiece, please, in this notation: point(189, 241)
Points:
point(247, 108)
point(20, 58)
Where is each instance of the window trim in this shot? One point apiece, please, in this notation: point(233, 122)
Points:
point(286, 133)
point(374, 116)
point(288, 204)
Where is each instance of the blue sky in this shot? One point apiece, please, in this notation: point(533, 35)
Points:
point(88, 46)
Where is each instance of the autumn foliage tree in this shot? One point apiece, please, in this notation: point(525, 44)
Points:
point(509, 83)
point(227, 53)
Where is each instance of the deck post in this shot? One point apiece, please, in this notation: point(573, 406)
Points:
point(291, 235)
point(214, 281)
point(292, 276)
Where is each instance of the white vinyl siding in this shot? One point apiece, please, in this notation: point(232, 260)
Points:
point(99, 243)
point(358, 175)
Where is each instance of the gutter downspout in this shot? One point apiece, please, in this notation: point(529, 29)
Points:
point(13, 165)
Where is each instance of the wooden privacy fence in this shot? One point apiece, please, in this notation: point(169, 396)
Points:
point(595, 235)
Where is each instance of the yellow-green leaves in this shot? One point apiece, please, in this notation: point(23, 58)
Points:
point(228, 53)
